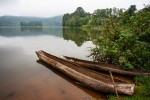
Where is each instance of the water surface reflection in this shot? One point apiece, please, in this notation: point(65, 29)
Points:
point(22, 78)
point(31, 29)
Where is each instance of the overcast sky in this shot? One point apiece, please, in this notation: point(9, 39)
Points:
point(49, 8)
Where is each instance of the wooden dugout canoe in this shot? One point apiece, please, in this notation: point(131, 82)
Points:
point(86, 76)
point(101, 67)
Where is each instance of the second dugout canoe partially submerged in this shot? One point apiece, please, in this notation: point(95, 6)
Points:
point(99, 67)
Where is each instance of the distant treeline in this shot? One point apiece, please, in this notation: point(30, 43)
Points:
point(16, 20)
point(32, 23)
point(80, 17)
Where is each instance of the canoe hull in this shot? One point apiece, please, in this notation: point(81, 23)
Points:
point(86, 80)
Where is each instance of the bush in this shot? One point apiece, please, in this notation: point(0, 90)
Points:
point(126, 44)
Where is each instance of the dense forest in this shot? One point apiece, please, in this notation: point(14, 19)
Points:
point(16, 20)
point(124, 35)
point(76, 19)
point(80, 17)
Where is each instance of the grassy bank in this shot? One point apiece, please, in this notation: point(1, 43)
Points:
point(142, 90)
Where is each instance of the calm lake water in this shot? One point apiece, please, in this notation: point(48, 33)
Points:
point(23, 77)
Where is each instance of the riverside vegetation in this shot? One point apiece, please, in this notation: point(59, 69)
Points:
point(124, 39)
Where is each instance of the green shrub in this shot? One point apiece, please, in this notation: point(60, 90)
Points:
point(126, 44)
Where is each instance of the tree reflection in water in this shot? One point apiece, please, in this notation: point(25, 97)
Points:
point(75, 34)
point(31, 29)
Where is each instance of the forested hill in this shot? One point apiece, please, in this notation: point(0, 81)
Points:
point(16, 20)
